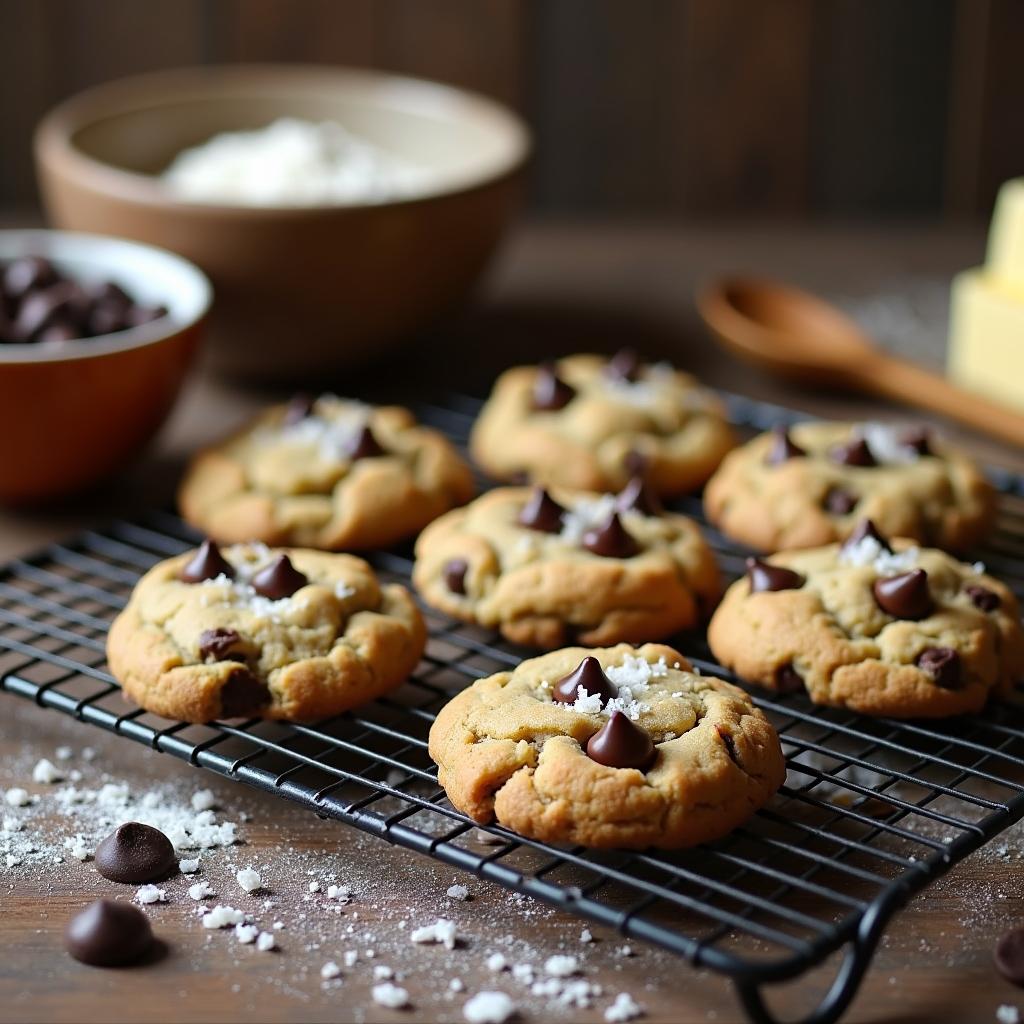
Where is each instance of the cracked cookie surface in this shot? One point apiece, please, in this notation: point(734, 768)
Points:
point(595, 427)
point(544, 589)
point(860, 627)
point(812, 486)
point(217, 648)
point(330, 473)
point(507, 751)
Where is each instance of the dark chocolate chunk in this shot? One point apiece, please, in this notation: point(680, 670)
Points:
point(765, 576)
point(365, 445)
point(782, 447)
point(867, 528)
point(110, 294)
point(788, 680)
point(243, 694)
point(624, 365)
point(983, 598)
point(454, 572)
point(206, 564)
point(1009, 956)
point(611, 540)
point(550, 392)
point(943, 665)
point(619, 743)
point(65, 302)
point(918, 438)
point(839, 501)
point(729, 743)
point(589, 676)
point(541, 513)
point(27, 274)
point(854, 453)
point(905, 596)
point(279, 579)
point(106, 318)
point(299, 408)
point(135, 853)
point(108, 933)
point(635, 463)
point(216, 644)
point(637, 496)
point(136, 316)
point(60, 332)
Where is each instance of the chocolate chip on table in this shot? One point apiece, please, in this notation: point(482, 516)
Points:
point(454, 572)
point(364, 445)
point(299, 408)
point(206, 564)
point(134, 853)
point(619, 743)
point(983, 598)
point(279, 579)
point(611, 540)
point(788, 680)
point(637, 496)
point(242, 695)
point(550, 392)
point(109, 933)
point(867, 528)
point(783, 448)
point(839, 501)
point(541, 513)
point(944, 666)
point(1009, 956)
point(624, 365)
point(764, 576)
point(589, 676)
point(853, 453)
point(905, 596)
point(216, 644)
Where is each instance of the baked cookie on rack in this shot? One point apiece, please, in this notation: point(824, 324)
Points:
point(553, 567)
point(611, 747)
point(592, 423)
point(813, 483)
point(882, 627)
point(326, 473)
point(270, 633)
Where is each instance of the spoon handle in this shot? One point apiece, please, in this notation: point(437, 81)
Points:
point(910, 383)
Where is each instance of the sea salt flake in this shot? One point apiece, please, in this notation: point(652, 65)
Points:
point(265, 942)
point(249, 879)
point(1007, 1014)
point(458, 892)
point(622, 1009)
point(222, 917)
point(489, 1008)
point(151, 894)
point(200, 890)
point(496, 962)
point(456, 985)
point(17, 797)
point(584, 515)
point(561, 966)
point(47, 772)
point(586, 935)
point(392, 996)
point(886, 443)
point(203, 800)
point(351, 957)
point(342, 893)
point(246, 933)
point(441, 932)
point(314, 886)
point(188, 865)
point(382, 973)
point(11, 825)
point(77, 847)
point(63, 753)
point(330, 970)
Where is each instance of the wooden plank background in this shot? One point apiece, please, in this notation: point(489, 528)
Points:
point(669, 108)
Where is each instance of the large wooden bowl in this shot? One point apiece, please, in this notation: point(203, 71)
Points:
point(298, 289)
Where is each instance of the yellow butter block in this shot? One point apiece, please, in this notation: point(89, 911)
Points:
point(1004, 260)
point(986, 336)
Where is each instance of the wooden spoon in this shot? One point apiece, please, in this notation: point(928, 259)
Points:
point(792, 333)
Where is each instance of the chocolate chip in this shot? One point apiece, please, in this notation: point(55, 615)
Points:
point(541, 512)
point(764, 576)
point(905, 596)
point(1009, 956)
point(110, 294)
point(983, 598)
point(729, 744)
point(279, 579)
point(454, 573)
point(839, 501)
point(106, 319)
point(788, 680)
point(621, 744)
point(637, 496)
point(58, 333)
point(624, 365)
point(300, 407)
point(943, 665)
point(242, 695)
point(108, 933)
point(589, 676)
point(216, 644)
point(853, 453)
point(635, 463)
point(28, 273)
point(867, 528)
point(65, 302)
point(206, 564)
point(550, 392)
point(918, 438)
point(134, 853)
point(782, 448)
point(364, 445)
point(611, 540)
point(136, 316)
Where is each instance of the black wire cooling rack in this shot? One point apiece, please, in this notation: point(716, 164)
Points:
point(872, 809)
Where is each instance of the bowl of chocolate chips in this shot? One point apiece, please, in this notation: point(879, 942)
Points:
point(96, 336)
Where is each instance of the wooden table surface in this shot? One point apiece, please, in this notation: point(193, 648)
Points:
point(556, 288)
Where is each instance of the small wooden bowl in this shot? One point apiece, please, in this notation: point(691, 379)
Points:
point(72, 415)
point(299, 289)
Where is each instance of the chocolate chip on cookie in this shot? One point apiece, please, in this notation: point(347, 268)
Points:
point(243, 695)
point(765, 576)
point(866, 528)
point(905, 596)
point(917, 438)
point(944, 666)
point(299, 408)
point(541, 513)
point(839, 501)
point(637, 496)
point(621, 744)
point(854, 452)
point(206, 564)
point(611, 539)
point(550, 392)
point(788, 680)
point(364, 445)
point(279, 579)
point(624, 365)
point(983, 598)
point(216, 644)
point(588, 676)
point(455, 570)
point(783, 447)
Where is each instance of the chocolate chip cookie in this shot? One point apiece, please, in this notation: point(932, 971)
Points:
point(254, 631)
point(554, 567)
point(592, 423)
point(882, 627)
point(812, 484)
point(325, 473)
point(610, 747)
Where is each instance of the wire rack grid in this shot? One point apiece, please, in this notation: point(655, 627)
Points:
point(871, 811)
